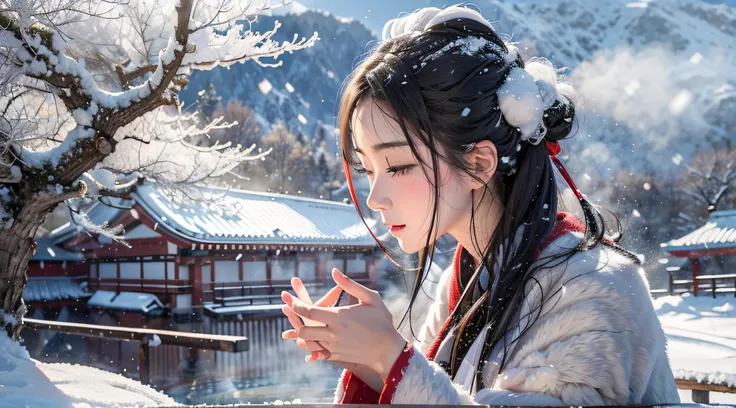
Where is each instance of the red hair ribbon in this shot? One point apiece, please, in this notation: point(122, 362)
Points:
point(553, 148)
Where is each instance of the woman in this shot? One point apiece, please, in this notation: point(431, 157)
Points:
point(457, 135)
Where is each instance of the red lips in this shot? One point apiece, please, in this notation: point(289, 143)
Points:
point(397, 228)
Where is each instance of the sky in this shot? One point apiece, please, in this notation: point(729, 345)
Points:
point(374, 13)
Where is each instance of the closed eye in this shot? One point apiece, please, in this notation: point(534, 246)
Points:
point(400, 170)
point(362, 170)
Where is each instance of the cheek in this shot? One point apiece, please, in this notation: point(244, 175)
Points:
point(416, 193)
point(455, 196)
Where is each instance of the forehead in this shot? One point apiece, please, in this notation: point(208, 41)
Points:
point(372, 125)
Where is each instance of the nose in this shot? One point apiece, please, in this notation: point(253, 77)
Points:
point(378, 198)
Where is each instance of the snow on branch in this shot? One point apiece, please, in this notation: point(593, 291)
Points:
point(116, 233)
point(233, 47)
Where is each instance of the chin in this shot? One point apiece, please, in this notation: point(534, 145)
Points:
point(410, 248)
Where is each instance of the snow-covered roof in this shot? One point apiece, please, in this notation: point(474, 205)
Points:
point(130, 301)
point(247, 217)
point(719, 232)
point(39, 289)
point(48, 252)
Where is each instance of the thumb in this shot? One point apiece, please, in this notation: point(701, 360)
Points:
point(354, 288)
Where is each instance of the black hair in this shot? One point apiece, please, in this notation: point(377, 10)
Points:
point(441, 85)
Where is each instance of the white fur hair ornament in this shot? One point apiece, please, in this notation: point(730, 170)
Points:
point(525, 94)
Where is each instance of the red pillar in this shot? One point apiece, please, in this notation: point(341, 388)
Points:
point(321, 272)
point(696, 272)
point(196, 276)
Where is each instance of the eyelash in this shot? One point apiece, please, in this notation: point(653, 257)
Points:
point(400, 170)
point(396, 170)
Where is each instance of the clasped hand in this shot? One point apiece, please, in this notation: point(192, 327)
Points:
point(349, 336)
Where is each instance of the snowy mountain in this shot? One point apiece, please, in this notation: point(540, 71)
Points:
point(656, 77)
point(303, 90)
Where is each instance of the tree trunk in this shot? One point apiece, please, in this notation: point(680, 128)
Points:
point(16, 249)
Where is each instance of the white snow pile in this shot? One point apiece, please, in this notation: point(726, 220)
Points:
point(701, 340)
point(708, 378)
point(25, 382)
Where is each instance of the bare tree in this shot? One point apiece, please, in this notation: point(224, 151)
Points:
point(246, 132)
point(280, 142)
point(92, 83)
point(711, 179)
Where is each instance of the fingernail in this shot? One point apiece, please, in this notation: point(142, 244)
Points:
point(308, 358)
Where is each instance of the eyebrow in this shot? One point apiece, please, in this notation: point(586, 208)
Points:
point(383, 146)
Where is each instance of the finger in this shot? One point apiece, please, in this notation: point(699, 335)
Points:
point(315, 334)
point(287, 297)
point(301, 290)
point(330, 298)
point(310, 345)
point(354, 288)
point(294, 319)
point(317, 355)
point(324, 315)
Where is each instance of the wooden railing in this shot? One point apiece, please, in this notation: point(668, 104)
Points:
point(234, 344)
point(701, 390)
point(725, 283)
point(228, 293)
point(159, 286)
point(717, 283)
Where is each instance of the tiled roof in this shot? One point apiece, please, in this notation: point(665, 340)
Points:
point(247, 217)
point(39, 289)
point(47, 251)
point(719, 232)
point(131, 301)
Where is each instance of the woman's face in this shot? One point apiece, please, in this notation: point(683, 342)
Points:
point(401, 188)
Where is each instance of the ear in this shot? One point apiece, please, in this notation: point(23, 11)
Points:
point(484, 160)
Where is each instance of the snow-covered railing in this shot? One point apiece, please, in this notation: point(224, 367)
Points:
point(146, 337)
point(725, 283)
point(702, 384)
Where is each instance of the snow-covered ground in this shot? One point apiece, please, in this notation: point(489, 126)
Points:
point(28, 383)
point(701, 334)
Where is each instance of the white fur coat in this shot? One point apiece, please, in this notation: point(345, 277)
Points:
point(598, 341)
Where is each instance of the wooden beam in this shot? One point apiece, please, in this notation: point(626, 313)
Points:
point(142, 275)
point(216, 342)
point(195, 274)
point(144, 362)
point(268, 269)
point(117, 266)
point(694, 385)
point(212, 269)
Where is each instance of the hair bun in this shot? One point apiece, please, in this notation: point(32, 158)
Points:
point(427, 17)
point(414, 22)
